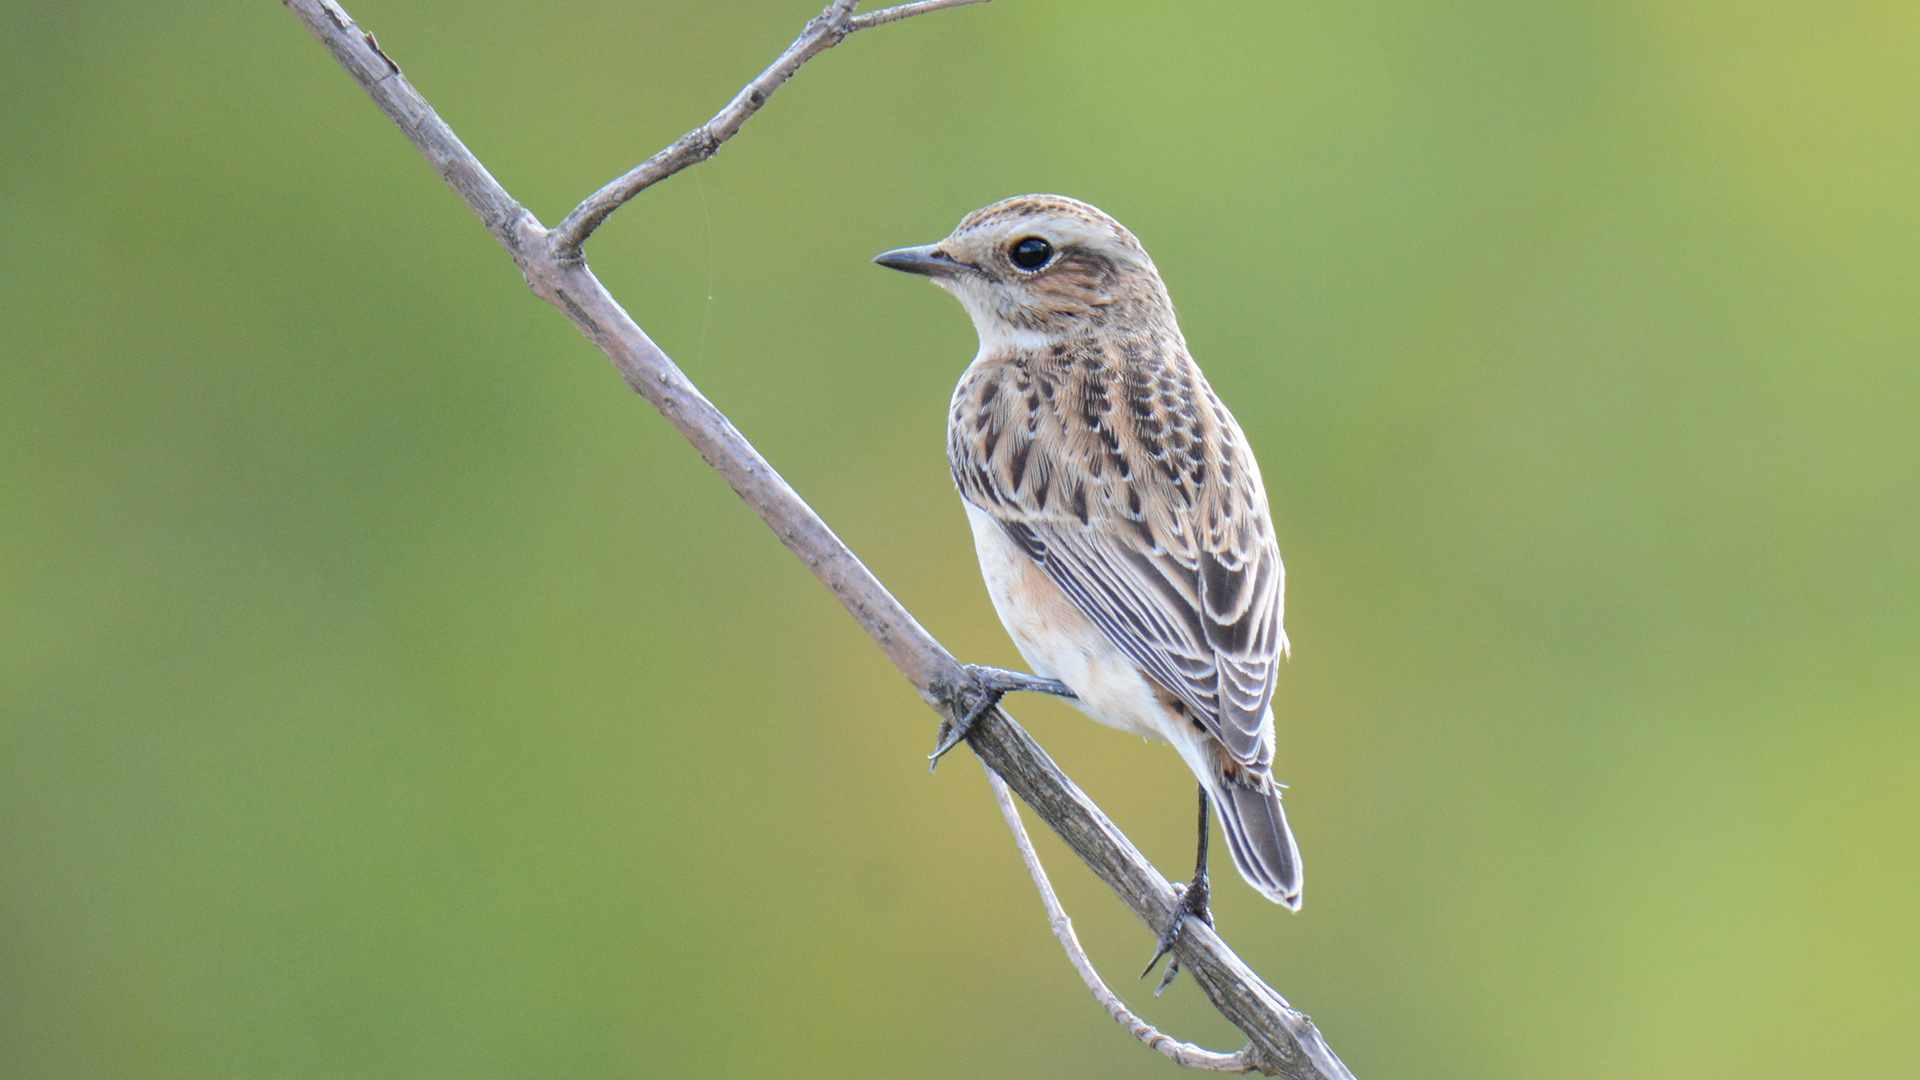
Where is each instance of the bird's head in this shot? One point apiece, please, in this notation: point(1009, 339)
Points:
point(1040, 269)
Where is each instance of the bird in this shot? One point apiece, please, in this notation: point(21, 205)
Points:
point(1119, 516)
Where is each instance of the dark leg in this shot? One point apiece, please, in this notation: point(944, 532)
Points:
point(988, 686)
point(1192, 905)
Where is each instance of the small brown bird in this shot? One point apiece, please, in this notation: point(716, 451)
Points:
point(1118, 513)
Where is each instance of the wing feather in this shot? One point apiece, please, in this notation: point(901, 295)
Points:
point(1151, 518)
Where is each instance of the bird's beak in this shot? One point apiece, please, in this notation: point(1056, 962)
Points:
point(926, 259)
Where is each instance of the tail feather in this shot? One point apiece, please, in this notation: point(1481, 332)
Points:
point(1257, 835)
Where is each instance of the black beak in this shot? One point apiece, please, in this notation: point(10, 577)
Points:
point(926, 259)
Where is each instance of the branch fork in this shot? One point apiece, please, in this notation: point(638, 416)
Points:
point(1281, 1040)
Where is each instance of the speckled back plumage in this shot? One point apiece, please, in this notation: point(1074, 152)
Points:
point(1111, 461)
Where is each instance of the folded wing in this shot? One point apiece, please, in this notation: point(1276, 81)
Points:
point(1120, 473)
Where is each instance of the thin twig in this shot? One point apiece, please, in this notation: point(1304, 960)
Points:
point(825, 31)
point(1182, 1053)
point(1284, 1041)
point(905, 11)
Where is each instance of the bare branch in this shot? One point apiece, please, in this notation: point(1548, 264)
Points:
point(1284, 1042)
point(905, 11)
point(380, 77)
point(1182, 1053)
point(823, 32)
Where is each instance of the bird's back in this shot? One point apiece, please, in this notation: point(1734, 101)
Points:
point(1110, 461)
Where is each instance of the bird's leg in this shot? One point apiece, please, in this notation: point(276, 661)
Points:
point(986, 687)
point(1191, 905)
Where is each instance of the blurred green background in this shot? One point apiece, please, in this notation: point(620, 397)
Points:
point(385, 691)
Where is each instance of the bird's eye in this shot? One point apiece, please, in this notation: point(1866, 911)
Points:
point(1030, 253)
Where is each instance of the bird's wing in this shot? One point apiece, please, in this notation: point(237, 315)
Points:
point(1207, 629)
point(1151, 517)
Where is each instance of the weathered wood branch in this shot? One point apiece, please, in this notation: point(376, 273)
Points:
point(1182, 1053)
point(1283, 1042)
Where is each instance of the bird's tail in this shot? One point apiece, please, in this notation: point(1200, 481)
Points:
point(1263, 850)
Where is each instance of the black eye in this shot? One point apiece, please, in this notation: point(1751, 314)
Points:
point(1031, 253)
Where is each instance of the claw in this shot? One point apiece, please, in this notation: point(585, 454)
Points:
point(1191, 905)
point(991, 684)
point(952, 733)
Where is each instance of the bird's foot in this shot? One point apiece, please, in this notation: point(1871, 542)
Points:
point(1191, 905)
point(983, 690)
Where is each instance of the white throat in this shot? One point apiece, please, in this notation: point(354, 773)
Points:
point(996, 334)
point(998, 337)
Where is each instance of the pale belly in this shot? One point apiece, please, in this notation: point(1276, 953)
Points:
point(1059, 642)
